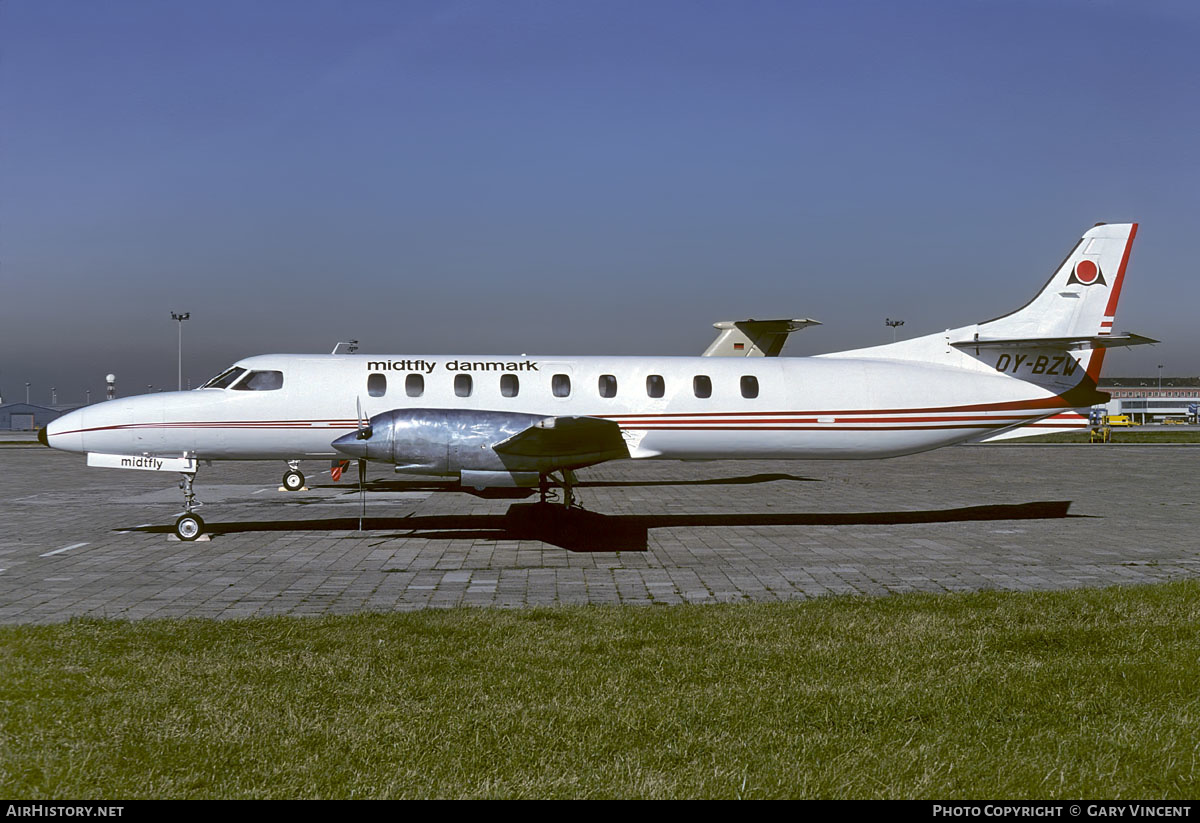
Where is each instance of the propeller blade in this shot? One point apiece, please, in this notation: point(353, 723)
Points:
point(364, 425)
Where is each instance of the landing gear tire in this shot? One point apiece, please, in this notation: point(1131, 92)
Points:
point(189, 526)
point(293, 480)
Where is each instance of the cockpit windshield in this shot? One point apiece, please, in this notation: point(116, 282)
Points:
point(225, 378)
point(261, 381)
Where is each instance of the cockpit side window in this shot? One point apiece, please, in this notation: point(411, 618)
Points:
point(261, 381)
point(222, 380)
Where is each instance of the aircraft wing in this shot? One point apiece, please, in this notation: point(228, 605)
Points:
point(754, 338)
point(1105, 341)
point(568, 441)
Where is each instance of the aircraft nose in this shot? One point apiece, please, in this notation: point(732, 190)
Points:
point(65, 432)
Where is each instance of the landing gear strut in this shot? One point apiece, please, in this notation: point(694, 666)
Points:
point(293, 478)
point(189, 526)
point(567, 483)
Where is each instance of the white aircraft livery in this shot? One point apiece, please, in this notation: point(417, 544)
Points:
point(532, 421)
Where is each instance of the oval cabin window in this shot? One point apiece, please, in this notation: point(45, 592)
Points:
point(414, 385)
point(377, 385)
point(608, 385)
point(462, 385)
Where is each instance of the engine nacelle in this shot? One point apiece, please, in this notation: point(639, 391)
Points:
point(445, 442)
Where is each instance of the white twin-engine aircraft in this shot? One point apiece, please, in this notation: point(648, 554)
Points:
point(532, 421)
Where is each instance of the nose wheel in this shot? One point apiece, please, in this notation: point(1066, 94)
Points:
point(189, 526)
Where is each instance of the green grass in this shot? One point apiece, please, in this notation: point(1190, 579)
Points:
point(1089, 693)
point(1168, 434)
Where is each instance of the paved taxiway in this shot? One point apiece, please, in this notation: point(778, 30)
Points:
point(77, 541)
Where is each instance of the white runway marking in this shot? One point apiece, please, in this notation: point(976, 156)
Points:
point(63, 549)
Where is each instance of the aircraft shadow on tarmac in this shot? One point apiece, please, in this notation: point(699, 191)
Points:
point(578, 530)
point(520, 494)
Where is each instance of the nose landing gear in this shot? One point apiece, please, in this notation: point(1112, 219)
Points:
point(189, 525)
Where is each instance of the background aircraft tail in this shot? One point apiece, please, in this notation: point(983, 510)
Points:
point(754, 338)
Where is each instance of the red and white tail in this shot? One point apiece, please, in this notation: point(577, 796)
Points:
point(1081, 298)
point(1072, 315)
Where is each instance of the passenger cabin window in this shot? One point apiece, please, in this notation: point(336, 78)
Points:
point(222, 380)
point(509, 385)
point(414, 385)
point(608, 385)
point(377, 385)
point(749, 386)
point(655, 385)
point(462, 385)
point(560, 384)
point(702, 385)
point(261, 381)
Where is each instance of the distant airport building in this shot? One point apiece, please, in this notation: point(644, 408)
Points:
point(1152, 399)
point(29, 416)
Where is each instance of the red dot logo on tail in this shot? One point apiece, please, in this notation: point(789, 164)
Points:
point(1086, 273)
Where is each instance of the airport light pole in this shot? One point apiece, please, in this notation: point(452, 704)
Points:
point(26, 392)
point(894, 324)
point(179, 318)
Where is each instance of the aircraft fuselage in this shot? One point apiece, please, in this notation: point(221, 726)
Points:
point(666, 407)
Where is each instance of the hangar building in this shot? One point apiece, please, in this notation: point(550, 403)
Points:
point(29, 416)
point(1152, 399)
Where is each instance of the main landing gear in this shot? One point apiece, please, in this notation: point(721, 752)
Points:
point(567, 483)
point(293, 478)
point(189, 525)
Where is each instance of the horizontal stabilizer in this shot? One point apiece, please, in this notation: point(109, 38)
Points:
point(567, 439)
point(754, 338)
point(1103, 341)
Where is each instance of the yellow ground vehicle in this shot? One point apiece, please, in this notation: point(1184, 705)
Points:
point(1120, 420)
point(1175, 421)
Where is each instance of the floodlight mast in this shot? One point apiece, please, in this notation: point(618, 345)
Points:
point(180, 318)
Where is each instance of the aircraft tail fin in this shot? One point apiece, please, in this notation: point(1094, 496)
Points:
point(1080, 299)
point(1071, 316)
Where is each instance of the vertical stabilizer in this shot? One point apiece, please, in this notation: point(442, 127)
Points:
point(1074, 312)
point(1080, 300)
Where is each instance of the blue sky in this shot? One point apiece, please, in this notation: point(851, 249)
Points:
point(573, 177)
